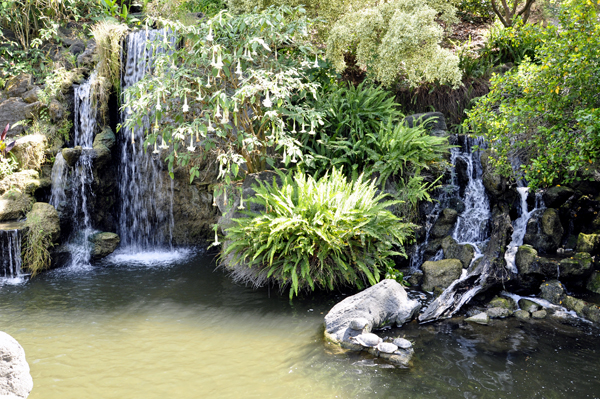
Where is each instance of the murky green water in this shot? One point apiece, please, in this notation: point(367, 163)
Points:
point(177, 329)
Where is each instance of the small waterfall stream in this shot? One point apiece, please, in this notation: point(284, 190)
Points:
point(10, 250)
point(143, 221)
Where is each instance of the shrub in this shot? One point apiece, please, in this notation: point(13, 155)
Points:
point(513, 44)
point(545, 118)
point(231, 91)
point(316, 234)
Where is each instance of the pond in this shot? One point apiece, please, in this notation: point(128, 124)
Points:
point(167, 325)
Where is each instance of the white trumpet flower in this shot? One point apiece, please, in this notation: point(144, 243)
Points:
point(218, 113)
point(185, 104)
point(132, 136)
point(239, 69)
point(210, 127)
point(303, 128)
point(155, 149)
point(294, 128)
point(316, 62)
point(164, 145)
point(216, 236)
point(241, 206)
point(158, 107)
point(191, 148)
point(209, 37)
point(267, 101)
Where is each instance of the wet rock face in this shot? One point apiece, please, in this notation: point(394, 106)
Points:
point(556, 196)
point(593, 284)
point(15, 379)
point(440, 273)
point(103, 244)
point(589, 243)
point(445, 223)
point(453, 250)
point(72, 155)
point(544, 231)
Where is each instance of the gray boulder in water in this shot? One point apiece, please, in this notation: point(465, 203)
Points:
point(383, 304)
point(103, 244)
point(15, 380)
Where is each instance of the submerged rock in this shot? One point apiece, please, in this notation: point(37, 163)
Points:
point(15, 378)
point(498, 313)
point(383, 304)
point(440, 273)
point(103, 244)
point(480, 318)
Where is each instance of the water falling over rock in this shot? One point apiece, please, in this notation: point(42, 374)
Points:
point(144, 221)
point(10, 251)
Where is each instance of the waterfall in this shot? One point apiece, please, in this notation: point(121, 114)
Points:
point(520, 227)
point(60, 173)
point(142, 187)
point(10, 248)
point(471, 226)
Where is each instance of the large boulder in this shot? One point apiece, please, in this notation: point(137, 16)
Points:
point(440, 273)
point(576, 267)
point(381, 305)
point(18, 85)
point(29, 151)
point(15, 380)
point(14, 205)
point(452, 250)
point(593, 284)
point(544, 231)
point(72, 155)
point(554, 197)
point(103, 244)
point(444, 224)
point(589, 243)
point(25, 181)
point(11, 111)
point(45, 217)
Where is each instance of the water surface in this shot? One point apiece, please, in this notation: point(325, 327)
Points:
point(158, 326)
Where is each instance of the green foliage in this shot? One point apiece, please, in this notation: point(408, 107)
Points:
point(36, 256)
point(545, 117)
point(403, 151)
point(317, 234)
point(208, 7)
point(8, 166)
point(478, 9)
point(237, 75)
point(513, 44)
point(350, 114)
point(395, 41)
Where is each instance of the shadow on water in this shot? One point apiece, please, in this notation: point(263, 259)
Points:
point(149, 328)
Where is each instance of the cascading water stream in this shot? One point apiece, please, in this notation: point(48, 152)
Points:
point(471, 225)
point(143, 222)
point(520, 227)
point(10, 248)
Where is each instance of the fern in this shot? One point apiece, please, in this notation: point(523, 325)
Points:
point(316, 234)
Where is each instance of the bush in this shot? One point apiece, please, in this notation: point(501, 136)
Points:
point(513, 44)
point(545, 118)
point(316, 234)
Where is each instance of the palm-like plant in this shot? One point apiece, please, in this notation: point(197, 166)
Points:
point(316, 233)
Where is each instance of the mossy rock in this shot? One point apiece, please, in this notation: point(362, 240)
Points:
point(445, 223)
point(525, 259)
point(26, 181)
point(440, 273)
point(589, 243)
point(554, 197)
point(29, 151)
point(593, 283)
point(103, 244)
point(14, 205)
point(500, 302)
point(106, 137)
point(452, 250)
point(576, 266)
point(43, 216)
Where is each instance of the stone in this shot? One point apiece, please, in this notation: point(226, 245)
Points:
point(15, 378)
point(593, 284)
point(359, 324)
point(12, 111)
point(416, 278)
point(101, 156)
point(528, 305)
point(589, 243)
point(539, 314)
point(461, 169)
point(103, 244)
point(444, 224)
point(552, 291)
point(71, 155)
point(457, 204)
point(480, 318)
point(452, 250)
point(86, 59)
point(25, 181)
point(434, 121)
point(14, 205)
point(500, 302)
point(522, 315)
point(498, 313)
point(45, 217)
point(106, 137)
point(555, 196)
point(493, 183)
point(29, 151)
point(544, 231)
point(33, 110)
point(525, 259)
point(18, 85)
point(440, 273)
point(77, 47)
point(32, 96)
point(384, 304)
point(56, 110)
point(577, 266)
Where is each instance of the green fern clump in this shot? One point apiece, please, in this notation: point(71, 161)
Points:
point(316, 234)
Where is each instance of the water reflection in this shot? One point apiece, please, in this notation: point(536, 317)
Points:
point(122, 330)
